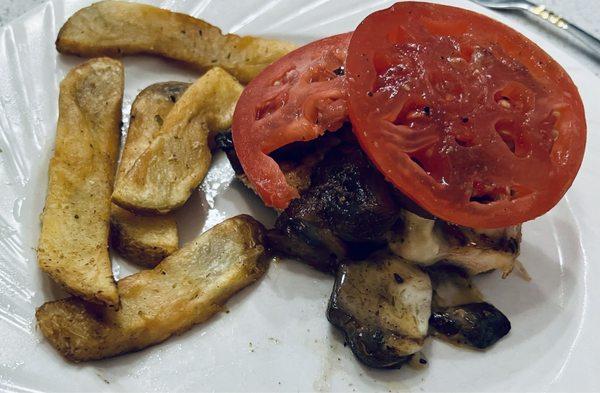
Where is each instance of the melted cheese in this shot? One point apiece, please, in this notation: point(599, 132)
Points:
point(425, 242)
point(418, 242)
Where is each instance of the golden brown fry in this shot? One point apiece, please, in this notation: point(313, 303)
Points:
point(115, 28)
point(164, 175)
point(145, 240)
point(73, 244)
point(187, 288)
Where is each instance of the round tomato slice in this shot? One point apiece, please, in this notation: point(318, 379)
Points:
point(467, 117)
point(297, 98)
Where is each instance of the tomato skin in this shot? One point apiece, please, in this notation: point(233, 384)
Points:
point(467, 117)
point(297, 98)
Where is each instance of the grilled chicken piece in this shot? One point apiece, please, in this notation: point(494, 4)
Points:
point(346, 212)
point(427, 241)
point(382, 305)
point(459, 312)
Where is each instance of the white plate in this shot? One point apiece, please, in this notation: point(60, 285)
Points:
point(276, 337)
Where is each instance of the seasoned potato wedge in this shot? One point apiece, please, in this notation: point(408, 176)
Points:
point(164, 175)
point(145, 240)
point(114, 28)
point(187, 288)
point(73, 244)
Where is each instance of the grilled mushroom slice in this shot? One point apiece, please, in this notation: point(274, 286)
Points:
point(383, 306)
point(459, 312)
point(479, 325)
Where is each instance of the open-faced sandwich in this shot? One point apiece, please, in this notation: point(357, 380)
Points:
point(403, 157)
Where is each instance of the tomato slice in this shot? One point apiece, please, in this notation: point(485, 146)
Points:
point(297, 98)
point(464, 115)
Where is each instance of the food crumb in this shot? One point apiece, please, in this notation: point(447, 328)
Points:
point(106, 381)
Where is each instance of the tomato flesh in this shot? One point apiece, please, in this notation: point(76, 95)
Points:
point(464, 115)
point(297, 98)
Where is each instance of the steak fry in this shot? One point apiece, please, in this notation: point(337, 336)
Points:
point(115, 28)
point(164, 175)
point(145, 240)
point(187, 288)
point(73, 244)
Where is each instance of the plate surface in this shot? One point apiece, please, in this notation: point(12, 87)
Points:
point(276, 337)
